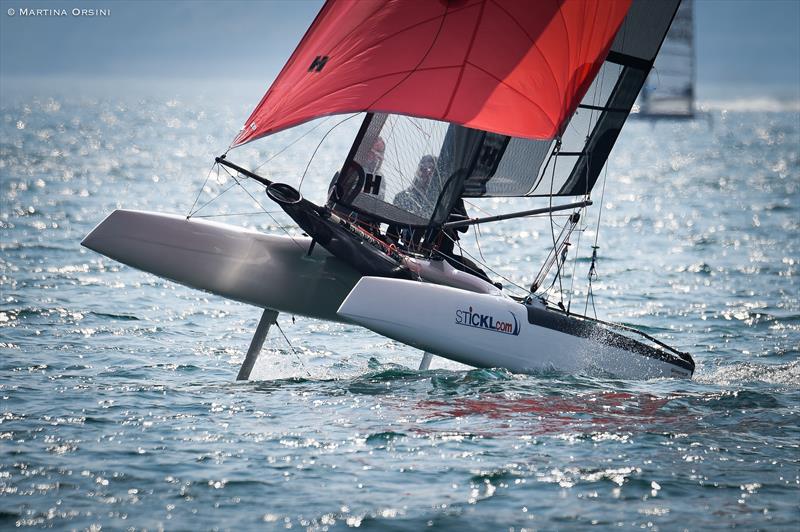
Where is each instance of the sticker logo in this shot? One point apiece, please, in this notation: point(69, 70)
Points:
point(372, 184)
point(471, 318)
point(318, 63)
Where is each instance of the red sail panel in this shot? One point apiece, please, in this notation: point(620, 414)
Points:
point(506, 66)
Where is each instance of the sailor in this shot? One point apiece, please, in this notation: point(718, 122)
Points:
point(418, 196)
point(374, 159)
point(417, 199)
point(444, 244)
point(422, 192)
point(344, 188)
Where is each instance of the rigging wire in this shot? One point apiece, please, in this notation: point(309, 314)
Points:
point(596, 95)
point(559, 251)
point(552, 228)
point(575, 262)
point(311, 159)
point(200, 192)
point(592, 268)
point(223, 215)
point(297, 356)
point(209, 202)
point(265, 210)
point(476, 232)
point(192, 211)
point(482, 264)
point(476, 207)
point(295, 141)
point(278, 224)
point(238, 182)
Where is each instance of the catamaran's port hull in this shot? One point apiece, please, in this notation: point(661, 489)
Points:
point(267, 271)
point(489, 331)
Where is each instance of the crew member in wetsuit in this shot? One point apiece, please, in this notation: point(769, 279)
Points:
point(415, 199)
point(345, 187)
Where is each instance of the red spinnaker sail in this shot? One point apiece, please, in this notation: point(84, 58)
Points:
point(508, 66)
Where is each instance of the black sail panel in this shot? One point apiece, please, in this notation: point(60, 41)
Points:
point(634, 50)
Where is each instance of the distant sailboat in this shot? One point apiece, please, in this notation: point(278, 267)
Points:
point(669, 92)
point(463, 99)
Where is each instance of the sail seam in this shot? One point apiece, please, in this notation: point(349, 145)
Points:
point(534, 42)
point(466, 59)
point(292, 60)
point(569, 52)
point(512, 89)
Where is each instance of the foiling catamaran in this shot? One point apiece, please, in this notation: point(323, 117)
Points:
point(463, 99)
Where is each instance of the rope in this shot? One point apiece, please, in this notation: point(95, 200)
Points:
point(266, 211)
point(595, 247)
point(209, 202)
point(199, 192)
point(337, 124)
point(297, 356)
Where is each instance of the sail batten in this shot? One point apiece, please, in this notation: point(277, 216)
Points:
point(439, 60)
point(634, 52)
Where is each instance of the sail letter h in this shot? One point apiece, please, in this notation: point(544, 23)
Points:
point(318, 63)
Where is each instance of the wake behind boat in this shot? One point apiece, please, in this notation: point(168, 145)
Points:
point(463, 101)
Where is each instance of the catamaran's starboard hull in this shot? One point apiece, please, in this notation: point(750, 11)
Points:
point(267, 271)
point(489, 331)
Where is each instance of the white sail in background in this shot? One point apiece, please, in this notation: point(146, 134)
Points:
point(669, 91)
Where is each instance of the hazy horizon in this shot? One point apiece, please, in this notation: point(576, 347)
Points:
point(745, 49)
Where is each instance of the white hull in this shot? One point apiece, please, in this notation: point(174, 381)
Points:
point(267, 271)
point(489, 331)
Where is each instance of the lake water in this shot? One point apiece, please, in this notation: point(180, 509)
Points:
point(118, 405)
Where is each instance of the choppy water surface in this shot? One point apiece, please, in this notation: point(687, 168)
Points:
point(118, 402)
